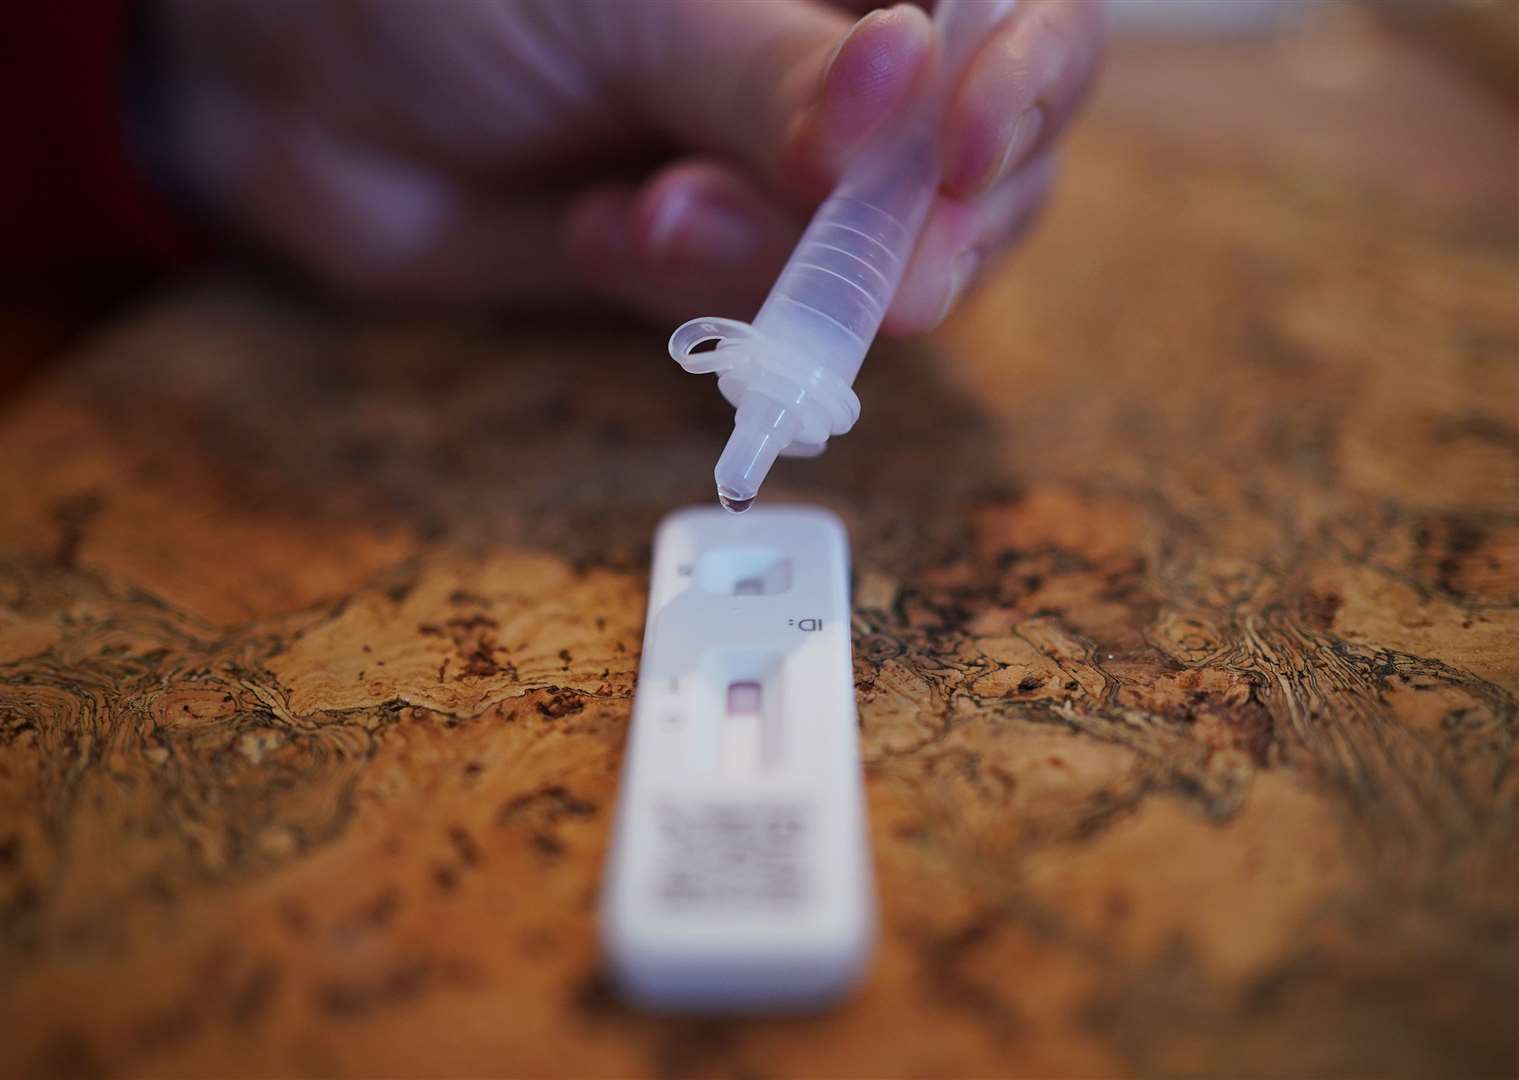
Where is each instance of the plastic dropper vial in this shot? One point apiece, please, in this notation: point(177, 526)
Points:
point(789, 374)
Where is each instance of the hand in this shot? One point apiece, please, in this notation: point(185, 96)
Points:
point(663, 155)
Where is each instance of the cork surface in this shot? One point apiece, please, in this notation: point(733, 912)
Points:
point(1186, 639)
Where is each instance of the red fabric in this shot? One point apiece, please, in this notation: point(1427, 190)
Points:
point(71, 197)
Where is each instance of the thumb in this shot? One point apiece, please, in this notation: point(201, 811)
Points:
point(787, 88)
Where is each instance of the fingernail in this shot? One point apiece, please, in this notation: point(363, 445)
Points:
point(961, 272)
point(686, 226)
point(1001, 106)
point(1020, 139)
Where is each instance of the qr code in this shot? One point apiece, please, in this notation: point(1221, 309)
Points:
point(732, 854)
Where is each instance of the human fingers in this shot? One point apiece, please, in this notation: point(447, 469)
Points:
point(959, 241)
point(788, 88)
point(1020, 91)
point(699, 236)
point(377, 227)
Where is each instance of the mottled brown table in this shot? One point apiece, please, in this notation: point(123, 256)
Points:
point(1187, 563)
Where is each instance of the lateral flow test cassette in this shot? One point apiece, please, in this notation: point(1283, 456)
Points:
point(789, 374)
point(739, 872)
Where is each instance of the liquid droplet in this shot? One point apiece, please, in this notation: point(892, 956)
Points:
point(734, 506)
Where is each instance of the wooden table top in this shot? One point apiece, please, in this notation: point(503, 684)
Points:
point(1186, 631)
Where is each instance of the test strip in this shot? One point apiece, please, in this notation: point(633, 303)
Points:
point(739, 877)
point(744, 699)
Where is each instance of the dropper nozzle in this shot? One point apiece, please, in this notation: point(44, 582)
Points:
point(809, 338)
point(761, 430)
